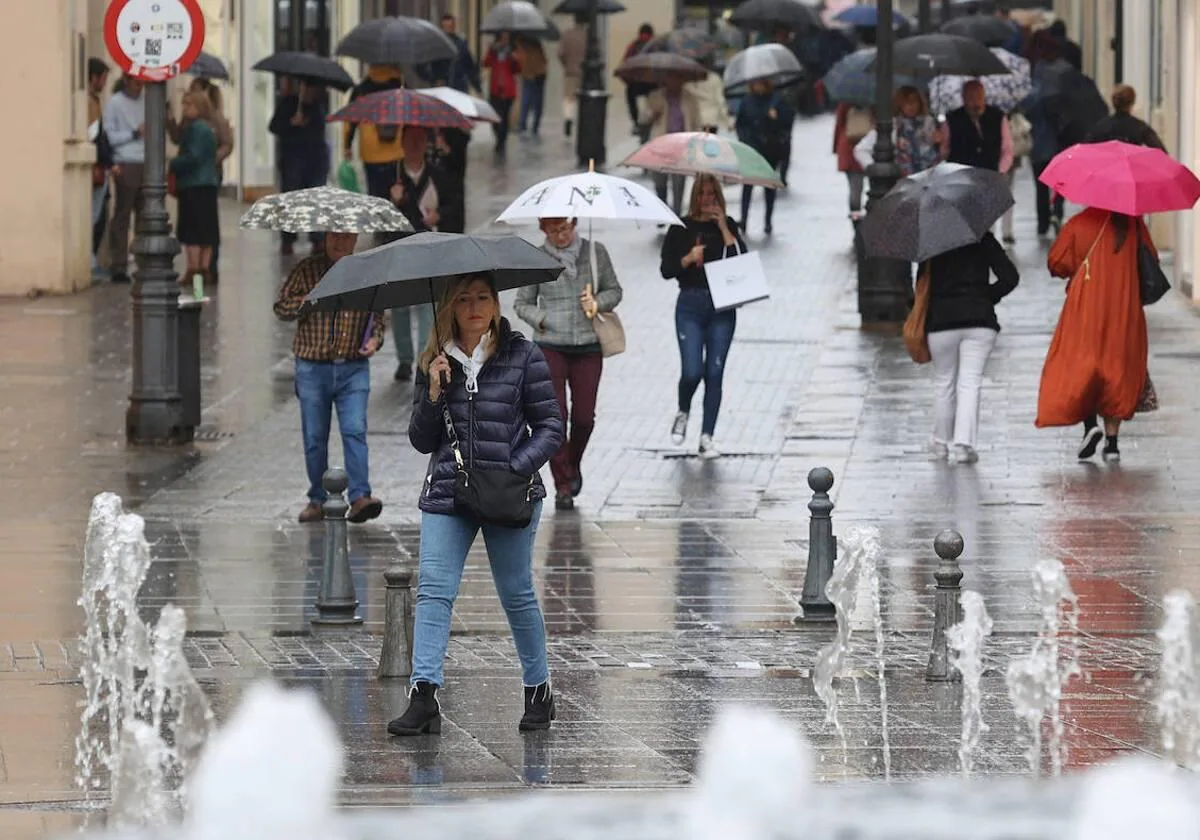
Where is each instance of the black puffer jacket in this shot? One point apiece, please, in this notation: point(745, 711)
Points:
point(511, 422)
point(961, 294)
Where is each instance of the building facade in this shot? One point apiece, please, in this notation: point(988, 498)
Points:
point(50, 158)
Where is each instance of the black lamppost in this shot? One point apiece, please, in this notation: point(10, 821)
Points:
point(884, 286)
point(947, 12)
point(924, 16)
point(155, 414)
point(593, 98)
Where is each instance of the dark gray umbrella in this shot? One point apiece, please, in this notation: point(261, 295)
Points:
point(521, 17)
point(659, 68)
point(766, 15)
point(935, 211)
point(945, 55)
point(308, 66)
point(397, 40)
point(413, 270)
point(208, 66)
point(772, 63)
point(987, 30)
point(580, 7)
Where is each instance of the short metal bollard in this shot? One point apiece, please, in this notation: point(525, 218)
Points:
point(947, 609)
point(337, 603)
point(395, 660)
point(822, 549)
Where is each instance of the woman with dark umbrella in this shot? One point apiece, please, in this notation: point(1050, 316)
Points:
point(299, 125)
point(764, 121)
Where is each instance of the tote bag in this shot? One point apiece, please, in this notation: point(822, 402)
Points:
point(736, 281)
point(916, 341)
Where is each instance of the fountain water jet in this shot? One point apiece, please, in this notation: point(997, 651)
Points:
point(1177, 705)
point(144, 716)
point(966, 640)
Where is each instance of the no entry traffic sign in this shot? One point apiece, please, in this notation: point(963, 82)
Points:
point(154, 40)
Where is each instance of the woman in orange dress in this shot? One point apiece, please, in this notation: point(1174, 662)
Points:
point(1097, 360)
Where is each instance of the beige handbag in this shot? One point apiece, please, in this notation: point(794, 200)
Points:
point(610, 332)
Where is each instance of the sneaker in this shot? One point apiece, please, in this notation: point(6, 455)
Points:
point(679, 428)
point(939, 449)
point(965, 454)
point(1091, 440)
point(364, 509)
point(312, 513)
point(1111, 454)
point(708, 449)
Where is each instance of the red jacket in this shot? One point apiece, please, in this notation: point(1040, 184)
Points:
point(503, 81)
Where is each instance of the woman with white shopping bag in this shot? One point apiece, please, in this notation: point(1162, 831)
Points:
point(704, 325)
point(575, 326)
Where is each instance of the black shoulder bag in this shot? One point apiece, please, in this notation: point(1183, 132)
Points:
point(1151, 279)
point(493, 497)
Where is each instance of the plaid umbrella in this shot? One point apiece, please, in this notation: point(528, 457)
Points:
point(936, 211)
point(699, 153)
point(403, 106)
point(689, 42)
point(325, 209)
point(852, 79)
point(659, 68)
point(397, 40)
point(1005, 92)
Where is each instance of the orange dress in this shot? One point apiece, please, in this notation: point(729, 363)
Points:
point(1097, 360)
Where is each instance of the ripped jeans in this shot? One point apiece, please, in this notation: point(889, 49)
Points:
point(705, 337)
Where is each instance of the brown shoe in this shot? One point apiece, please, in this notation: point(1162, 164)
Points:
point(364, 509)
point(311, 513)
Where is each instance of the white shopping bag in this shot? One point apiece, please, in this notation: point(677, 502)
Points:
point(736, 281)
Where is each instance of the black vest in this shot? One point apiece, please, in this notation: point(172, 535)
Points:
point(968, 145)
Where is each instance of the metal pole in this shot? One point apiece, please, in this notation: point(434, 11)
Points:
point(337, 603)
point(947, 609)
point(154, 415)
point(924, 16)
point(884, 286)
point(593, 99)
point(822, 549)
point(947, 12)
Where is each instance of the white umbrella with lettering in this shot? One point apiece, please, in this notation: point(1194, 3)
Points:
point(589, 195)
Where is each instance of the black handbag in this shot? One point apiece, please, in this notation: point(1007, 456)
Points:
point(492, 497)
point(1152, 281)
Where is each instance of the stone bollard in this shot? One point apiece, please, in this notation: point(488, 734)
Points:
point(337, 604)
point(947, 610)
point(395, 660)
point(822, 549)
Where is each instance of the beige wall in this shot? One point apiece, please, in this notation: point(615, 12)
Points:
point(45, 240)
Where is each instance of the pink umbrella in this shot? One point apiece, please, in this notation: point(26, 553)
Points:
point(1123, 178)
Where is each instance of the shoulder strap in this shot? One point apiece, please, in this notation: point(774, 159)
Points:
point(451, 434)
point(1087, 260)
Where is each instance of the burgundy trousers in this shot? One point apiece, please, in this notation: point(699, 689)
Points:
point(579, 372)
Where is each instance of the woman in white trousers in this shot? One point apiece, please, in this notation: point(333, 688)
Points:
point(961, 327)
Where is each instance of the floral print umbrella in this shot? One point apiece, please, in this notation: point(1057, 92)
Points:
point(699, 153)
point(1005, 92)
point(325, 209)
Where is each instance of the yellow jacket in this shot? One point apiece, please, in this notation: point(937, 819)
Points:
point(376, 144)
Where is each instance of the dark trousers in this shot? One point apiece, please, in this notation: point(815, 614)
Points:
point(1045, 207)
point(127, 201)
point(581, 373)
point(504, 109)
point(533, 101)
point(300, 175)
point(705, 337)
point(101, 224)
point(747, 194)
point(631, 102)
point(785, 163)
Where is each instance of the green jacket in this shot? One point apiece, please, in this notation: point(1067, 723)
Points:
point(196, 163)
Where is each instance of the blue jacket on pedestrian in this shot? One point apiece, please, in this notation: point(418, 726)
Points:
point(767, 135)
point(510, 422)
point(460, 72)
point(196, 163)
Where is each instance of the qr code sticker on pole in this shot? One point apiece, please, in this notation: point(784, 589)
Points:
point(153, 47)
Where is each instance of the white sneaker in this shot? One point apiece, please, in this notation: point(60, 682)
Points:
point(708, 450)
point(965, 454)
point(679, 428)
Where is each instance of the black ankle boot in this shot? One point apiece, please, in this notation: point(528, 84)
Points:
point(539, 708)
point(423, 715)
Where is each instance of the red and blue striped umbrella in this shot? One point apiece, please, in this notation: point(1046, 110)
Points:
point(402, 106)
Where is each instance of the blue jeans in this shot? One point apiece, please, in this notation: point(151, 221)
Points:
point(705, 337)
point(533, 101)
point(320, 386)
point(402, 331)
point(445, 541)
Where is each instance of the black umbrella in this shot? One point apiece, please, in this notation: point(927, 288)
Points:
point(208, 66)
point(308, 66)
point(397, 40)
point(658, 68)
point(766, 15)
point(414, 270)
point(945, 55)
point(935, 211)
point(580, 7)
point(1068, 98)
point(987, 30)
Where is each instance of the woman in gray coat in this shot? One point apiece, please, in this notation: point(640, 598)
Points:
point(561, 315)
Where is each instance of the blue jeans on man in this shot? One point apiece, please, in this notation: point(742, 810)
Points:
point(321, 387)
point(533, 102)
point(705, 336)
point(445, 541)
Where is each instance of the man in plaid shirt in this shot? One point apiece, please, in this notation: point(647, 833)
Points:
point(332, 369)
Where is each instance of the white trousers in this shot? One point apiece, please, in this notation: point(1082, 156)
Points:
point(1006, 221)
point(959, 357)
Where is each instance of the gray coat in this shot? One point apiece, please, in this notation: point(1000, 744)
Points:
point(553, 309)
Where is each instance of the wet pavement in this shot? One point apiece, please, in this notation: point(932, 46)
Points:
point(671, 590)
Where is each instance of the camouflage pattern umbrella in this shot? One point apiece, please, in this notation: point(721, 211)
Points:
point(325, 209)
